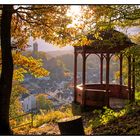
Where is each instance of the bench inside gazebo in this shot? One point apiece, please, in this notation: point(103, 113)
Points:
point(93, 95)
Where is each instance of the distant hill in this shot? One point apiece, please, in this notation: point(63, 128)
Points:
point(59, 53)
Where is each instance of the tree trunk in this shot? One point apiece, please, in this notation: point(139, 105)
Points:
point(72, 126)
point(7, 70)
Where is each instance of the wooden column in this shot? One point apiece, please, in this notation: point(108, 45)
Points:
point(121, 60)
point(83, 78)
point(75, 74)
point(133, 78)
point(107, 76)
point(129, 76)
point(84, 70)
point(107, 69)
point(101, 69)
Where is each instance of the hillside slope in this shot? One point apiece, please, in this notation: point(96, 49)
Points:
point(127, 124)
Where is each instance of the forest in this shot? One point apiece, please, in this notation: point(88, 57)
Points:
point(90, 29)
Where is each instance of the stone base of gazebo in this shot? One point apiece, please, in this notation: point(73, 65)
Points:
point(95, 96)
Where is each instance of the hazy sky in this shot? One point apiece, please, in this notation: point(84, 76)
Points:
point(44, 46)
point(128, 31)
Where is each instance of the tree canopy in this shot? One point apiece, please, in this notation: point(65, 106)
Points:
point(48, 22)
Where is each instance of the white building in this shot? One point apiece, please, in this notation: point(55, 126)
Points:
point(45, 78)
point(69, 99)
point(29, 103)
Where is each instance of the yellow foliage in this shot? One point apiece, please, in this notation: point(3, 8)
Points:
point(51, 116)
point(48, 22)
point(83, 41)
point(28, 65)
point(19, 74)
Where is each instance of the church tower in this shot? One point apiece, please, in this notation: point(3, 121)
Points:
point(35, 47)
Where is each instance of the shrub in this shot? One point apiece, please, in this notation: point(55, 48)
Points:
point(51, 116)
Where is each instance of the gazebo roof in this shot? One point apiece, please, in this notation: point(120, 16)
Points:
point(111, 41)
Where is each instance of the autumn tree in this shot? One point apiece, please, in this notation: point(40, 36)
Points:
point(103, 17)
point(43, 102)
point(15, 105)
point(107, 16)
point(23, 65)
point(48, 22)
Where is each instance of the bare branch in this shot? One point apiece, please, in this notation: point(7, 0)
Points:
point(34, 22)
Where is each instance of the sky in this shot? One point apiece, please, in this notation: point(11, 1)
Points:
point(130, 31)
point(46, 47)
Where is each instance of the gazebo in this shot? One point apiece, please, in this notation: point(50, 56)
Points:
point(97, 95)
